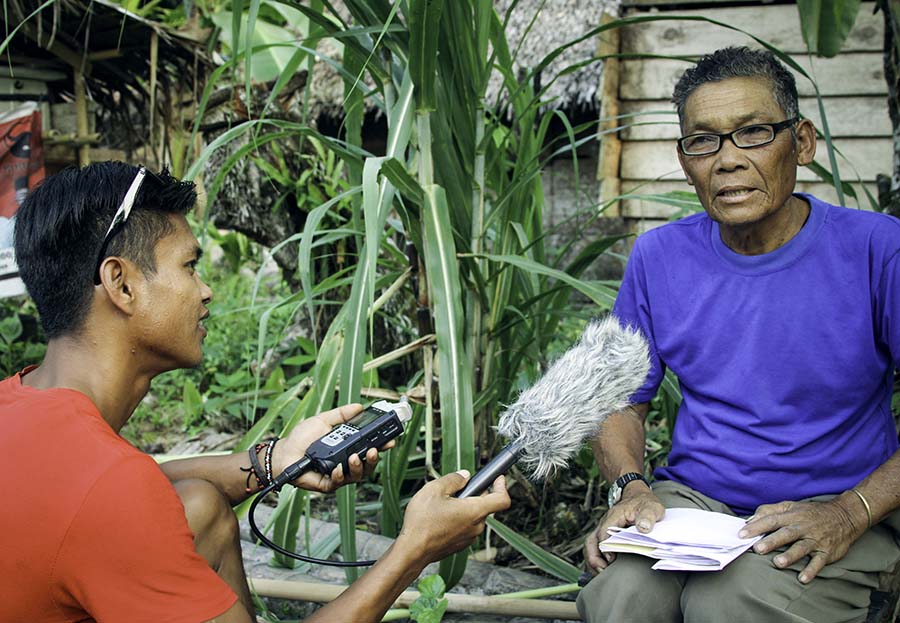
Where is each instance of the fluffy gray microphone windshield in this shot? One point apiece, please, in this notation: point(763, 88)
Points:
point(591, 380)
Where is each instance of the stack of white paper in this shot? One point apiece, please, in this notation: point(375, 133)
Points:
point(687, 539)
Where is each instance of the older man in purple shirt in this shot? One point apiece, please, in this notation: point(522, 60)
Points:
point(780, 315)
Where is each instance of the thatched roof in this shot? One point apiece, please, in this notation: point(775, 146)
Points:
point(534, 29)
point(556, 22)
point(111, 48)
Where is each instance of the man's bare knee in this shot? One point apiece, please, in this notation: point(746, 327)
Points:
point(209, 517)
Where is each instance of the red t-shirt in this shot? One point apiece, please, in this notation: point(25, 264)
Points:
point(92, 530)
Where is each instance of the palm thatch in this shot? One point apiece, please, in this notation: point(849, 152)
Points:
point(537, 27)
point(534, 28)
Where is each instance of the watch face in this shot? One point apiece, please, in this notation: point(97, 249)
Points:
point(613, 495)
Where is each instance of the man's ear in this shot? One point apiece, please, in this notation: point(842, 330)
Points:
point(805, 133)
point(117, 279)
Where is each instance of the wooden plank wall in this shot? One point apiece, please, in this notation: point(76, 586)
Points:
point(852, 85)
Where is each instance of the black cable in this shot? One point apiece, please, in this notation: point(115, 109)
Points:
point(282, 479)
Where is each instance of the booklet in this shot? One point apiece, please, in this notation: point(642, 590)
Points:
point(687, 539)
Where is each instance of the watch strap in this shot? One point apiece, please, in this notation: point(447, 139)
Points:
point(624, 479)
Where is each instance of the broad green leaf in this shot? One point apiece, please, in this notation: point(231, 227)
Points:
point(10, 328)
point(602, 295)
point(825, 24)
point(545, 561)
point(286, 524)
point(455, 376)
point(424, 23)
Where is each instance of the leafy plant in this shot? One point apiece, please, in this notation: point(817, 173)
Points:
point(430, 606)
point(19, 347)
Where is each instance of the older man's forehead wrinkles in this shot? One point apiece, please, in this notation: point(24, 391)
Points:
point(727, 121)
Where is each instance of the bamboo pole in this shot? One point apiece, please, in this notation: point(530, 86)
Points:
point(81, 117)
point(474, 604)
point(610, 144)
point(154, 62)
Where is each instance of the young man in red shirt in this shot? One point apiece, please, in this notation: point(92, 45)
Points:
point(94, 529)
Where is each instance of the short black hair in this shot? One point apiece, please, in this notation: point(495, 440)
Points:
point(61, 225)
point(739, 62)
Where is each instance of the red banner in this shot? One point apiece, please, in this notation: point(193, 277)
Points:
point(21, 156)
point(21, 168)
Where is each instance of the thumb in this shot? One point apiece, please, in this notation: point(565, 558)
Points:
point(452, 483)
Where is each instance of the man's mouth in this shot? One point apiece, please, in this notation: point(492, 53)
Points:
point(734, 193)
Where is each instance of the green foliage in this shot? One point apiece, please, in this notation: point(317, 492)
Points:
point(21, 337)
point(826, 23)
point(431, 604)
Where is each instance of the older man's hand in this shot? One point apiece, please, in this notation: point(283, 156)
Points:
point(821, 530)
point(642, 509)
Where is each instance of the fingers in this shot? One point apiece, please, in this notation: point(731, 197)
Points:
point(452, 483)
point(595, 562)
point(341, 414)
point(817, 561)
point(765, 520)
point(648, 515)
point(498, 499)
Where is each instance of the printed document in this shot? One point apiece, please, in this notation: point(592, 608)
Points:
point(687, 539)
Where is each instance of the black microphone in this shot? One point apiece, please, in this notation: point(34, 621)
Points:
point(551, 420)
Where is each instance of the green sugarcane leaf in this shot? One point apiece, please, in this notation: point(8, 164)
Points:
point(545, 561)
point(286, 524)
point(825, 24)
point(396, 172)
point(604, 296)
point(455, 380)
point(424, 26)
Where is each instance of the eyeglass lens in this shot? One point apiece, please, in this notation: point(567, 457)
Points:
point(750, 136)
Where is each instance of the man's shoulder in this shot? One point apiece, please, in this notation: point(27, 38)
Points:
point(855, 221)
point(688, 229)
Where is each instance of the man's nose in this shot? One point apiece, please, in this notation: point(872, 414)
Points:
point(730, 156)
point(205, 292)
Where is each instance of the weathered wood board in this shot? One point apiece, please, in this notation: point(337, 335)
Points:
point(779, 25)
point(855, 73)
point(865, 116)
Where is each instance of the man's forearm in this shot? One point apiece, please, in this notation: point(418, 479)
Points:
point(367, 599)
point(619, 447)
point(222, 471)
point(880, 490)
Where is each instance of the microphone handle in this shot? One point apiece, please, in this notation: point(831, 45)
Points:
point(497, 466)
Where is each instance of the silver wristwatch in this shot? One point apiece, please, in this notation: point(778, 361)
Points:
point(616, 489)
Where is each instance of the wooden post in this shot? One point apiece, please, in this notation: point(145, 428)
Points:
point(610, 144)
point(81, 117)
point(154, 61)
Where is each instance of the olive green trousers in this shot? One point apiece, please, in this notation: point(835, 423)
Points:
point(750, 589)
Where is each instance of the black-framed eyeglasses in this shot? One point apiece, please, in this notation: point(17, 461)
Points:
point(119, 218)
point(748, 137)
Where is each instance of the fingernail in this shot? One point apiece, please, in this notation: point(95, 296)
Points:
point(463, 472)
point(759, 549)
point(804, 578)
point(644, 525)
point(779, 561)
point(743, 534)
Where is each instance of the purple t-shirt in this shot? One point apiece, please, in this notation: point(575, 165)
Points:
point(785, 359)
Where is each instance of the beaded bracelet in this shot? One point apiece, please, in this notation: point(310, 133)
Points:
point(263, 476)
point(268, 460)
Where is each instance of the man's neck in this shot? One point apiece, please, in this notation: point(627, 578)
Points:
point(770, 234)
point(102, 374)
